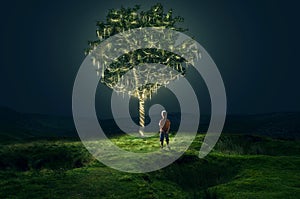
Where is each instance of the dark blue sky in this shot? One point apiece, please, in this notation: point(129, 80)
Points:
point(255, 45)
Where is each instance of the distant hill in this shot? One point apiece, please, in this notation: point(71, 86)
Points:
point(17, 126)
point(279, 125)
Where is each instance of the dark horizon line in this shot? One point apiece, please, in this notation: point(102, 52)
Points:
point(172, 113)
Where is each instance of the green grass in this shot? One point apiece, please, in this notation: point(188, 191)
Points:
point(240, 166)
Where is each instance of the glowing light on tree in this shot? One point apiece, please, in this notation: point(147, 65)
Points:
point(141, 80)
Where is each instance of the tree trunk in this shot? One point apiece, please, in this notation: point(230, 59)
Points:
point(141, 113)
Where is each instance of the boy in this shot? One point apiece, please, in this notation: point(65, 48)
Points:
point(164, 128)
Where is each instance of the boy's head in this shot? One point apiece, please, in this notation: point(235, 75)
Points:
point(164, 114)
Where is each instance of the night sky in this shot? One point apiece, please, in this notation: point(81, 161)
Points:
point(255, 45)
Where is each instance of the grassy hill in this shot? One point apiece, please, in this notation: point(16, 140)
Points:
point(257, 156)
point(240, 166)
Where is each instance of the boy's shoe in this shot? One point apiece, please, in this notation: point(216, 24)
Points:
point(169, 147)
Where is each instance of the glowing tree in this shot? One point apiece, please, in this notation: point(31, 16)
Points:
point(139, 83)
